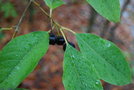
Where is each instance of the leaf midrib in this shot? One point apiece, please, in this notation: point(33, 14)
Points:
point(31, 49)
point(102, 58)
point(76, 70)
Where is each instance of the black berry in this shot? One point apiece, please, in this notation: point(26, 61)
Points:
point(52, 39)
point(60, 40)
point(70, 43)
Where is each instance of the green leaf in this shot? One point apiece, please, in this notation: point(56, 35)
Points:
point(78, 74)
point(106, 57)
point(20, 56)
point(109, 9)
point(53, 3)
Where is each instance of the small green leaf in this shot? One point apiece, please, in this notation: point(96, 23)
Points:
point(78, 73)
point(106, 57)
point(110, 9)
point(54, 3)
point(20, 56)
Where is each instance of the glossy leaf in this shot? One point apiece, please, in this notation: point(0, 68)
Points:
point(109, 9)
point(106, 57)
point(20, 56)
point(54, 3)
point(78, 73)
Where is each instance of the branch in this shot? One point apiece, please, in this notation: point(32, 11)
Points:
point(38, 5)
point(21, 19)
point(52, 20)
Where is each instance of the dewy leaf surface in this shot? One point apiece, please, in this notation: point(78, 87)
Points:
point(107, 58)
point(109, 9)
point(20, 56)
point(53, 3)
point(78, 73)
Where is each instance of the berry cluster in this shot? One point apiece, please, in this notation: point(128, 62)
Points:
point(59, 40)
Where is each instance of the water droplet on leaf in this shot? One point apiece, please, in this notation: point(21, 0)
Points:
point(108, 44)
point(73, 56)
point(17, 68)
point(97, 82)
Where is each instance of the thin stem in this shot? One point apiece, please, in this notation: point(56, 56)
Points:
point(51, 11)
point(63, 35)
point(38, 5)
point(10, 28)
point(57, 28)
point(50, 16)
point(51, 22)
point(68, 30)
point(21, 19)
point(49, 31)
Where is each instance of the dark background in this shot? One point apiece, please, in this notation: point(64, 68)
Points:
point(80, 17)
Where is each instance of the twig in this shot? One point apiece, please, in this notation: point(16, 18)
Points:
point(68, 30)
point(4, 29)
point(21, 19)
point(63, 35)
point(51, 11)
point(38, 5)
point(52, 20)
